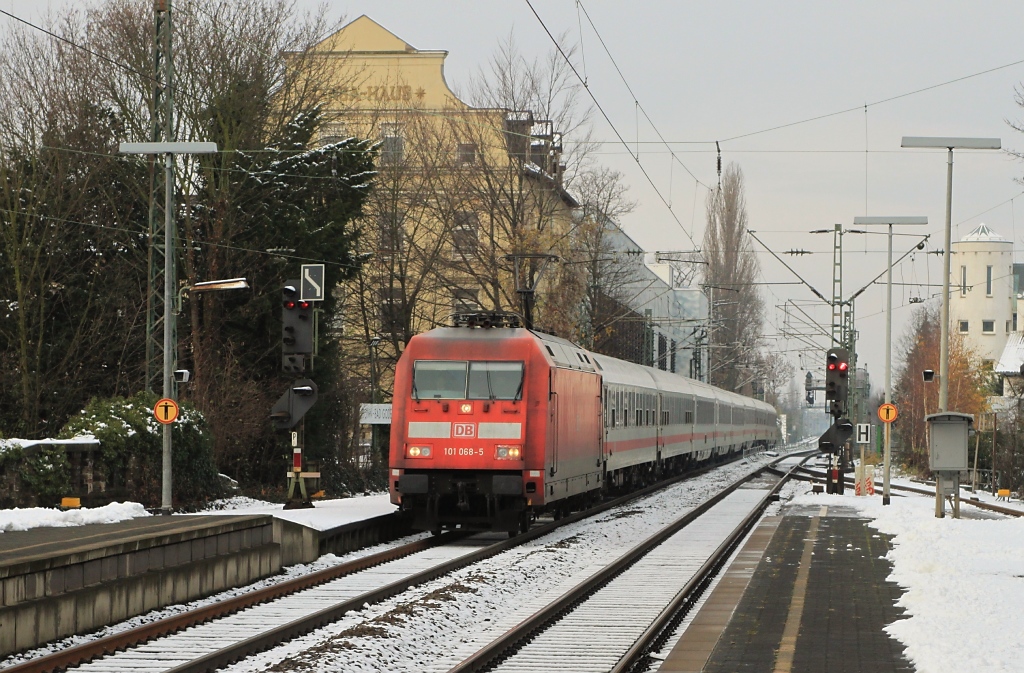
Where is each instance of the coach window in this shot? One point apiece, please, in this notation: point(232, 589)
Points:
point(439, 379)
point(495, 380)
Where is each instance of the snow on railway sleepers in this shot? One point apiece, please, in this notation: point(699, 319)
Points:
point(436, 626)
point(192, 643)
point(595, 635)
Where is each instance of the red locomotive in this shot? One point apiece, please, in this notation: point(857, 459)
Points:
point(493, 424)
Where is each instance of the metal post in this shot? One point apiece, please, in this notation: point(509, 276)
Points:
point(711, 327)
point(995, 424)
point(374, 436)
point(169, 319)
point(161, 129)
point(977, 445)
point(838, 335)
point(887, 456)
point(887, 444)
point(944, 327)
point(940, 510)
point(170, 264)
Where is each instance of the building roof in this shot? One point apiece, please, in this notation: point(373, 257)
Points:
point(983, 233)
point(364, 35)
point(1013, 355)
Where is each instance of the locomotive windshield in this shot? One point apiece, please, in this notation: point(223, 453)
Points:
point(461, 380)
point(495, 380)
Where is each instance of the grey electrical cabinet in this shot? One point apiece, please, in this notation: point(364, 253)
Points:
point(947, 441)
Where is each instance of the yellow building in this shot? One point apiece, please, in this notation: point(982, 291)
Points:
point(460, 189)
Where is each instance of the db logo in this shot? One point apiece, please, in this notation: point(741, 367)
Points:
point(463, 430)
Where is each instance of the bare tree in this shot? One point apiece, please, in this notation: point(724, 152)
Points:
point(68, 313)
point(73, 225)
point(919, 350)
point(522, 176)
point(737, 311)
point(607, 267)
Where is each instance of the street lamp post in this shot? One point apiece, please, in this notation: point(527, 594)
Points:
point(949, 144)
point(168, 149)
point(209, 286)
point(890, 221)
point(374, 433)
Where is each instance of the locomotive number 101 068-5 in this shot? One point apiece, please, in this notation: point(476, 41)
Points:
point(452, 451)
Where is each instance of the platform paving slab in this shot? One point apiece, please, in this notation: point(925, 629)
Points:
point(808, 593)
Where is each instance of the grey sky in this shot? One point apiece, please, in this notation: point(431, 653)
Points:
point(713, 71)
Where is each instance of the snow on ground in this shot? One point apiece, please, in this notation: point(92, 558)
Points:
point(323, 515)
point(46, 517)
point(964, 579)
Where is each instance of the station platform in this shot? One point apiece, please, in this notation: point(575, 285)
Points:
point(56, 582)
point(807, 593)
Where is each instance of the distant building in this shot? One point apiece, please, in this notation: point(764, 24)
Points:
point(646, 316)
point(983, 301)
point(460, 190)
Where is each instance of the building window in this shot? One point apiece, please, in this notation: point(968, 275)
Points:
point(988, 281)
point(1014, 322)
point(391, 311)
point(1007, 326)
point(963, 281)
point(465, 300)
point(465, 154)
point(672, 357)
point(988, 326)
point(333, 133)
point(964, 326)
point(465, 236)
point(391, 232)
point(392, 149)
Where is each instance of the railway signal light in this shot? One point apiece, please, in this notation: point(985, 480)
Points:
point(296, 326)
point(837, 379)
point(294, 404)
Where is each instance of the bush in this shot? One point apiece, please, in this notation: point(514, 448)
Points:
point(46, 474)
point(131, 453)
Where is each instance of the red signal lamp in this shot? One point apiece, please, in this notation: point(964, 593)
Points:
point(303, 305)
point(831, 366)
point(843, 366)
point(289, 304)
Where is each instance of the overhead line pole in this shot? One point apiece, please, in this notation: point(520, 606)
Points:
point(948, 144)
point(161, 201)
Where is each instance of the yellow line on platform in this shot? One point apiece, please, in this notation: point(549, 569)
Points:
point(787, 648)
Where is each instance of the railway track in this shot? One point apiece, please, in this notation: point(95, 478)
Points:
point(611, 620)
point(1008, 511)
point(216, 635)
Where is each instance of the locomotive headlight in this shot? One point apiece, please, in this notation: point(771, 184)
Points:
point(508, 451)
point(466, 408)
point(418, 451)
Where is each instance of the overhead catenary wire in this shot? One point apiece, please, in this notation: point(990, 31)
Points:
point(140, 232)
point(877, 102)
point(611, 124)
point(636, 100)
